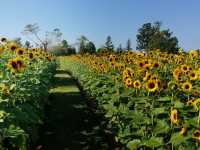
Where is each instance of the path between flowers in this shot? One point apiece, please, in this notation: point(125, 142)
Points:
point(69, 124)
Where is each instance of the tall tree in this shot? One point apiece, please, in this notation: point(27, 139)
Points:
point(90, 47)
point(82, 41)
point(150, 37)
point(109, 45)
point(128, 44)
point(27, 44)
point(52, 38)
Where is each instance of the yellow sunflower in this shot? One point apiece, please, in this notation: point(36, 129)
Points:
point(12, 65)
point(128, 82)
point(187, 86)
point(184, 68)
point(152, 85)
point(137, 84)
point(184, 131)
point(20, 51)
point(174, 116)
point(193, 75)
point(196, 135)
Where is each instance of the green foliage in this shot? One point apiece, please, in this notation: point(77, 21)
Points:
point(150, 37)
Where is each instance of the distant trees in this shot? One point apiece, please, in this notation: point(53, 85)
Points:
point(86, 46)
point(150, 36)
point(108, 44)
point(27, 44)
point(31, 31)
point(128, 45)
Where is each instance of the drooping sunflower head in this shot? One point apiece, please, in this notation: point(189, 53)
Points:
point(184, 131)
point(174, 116)
point(5, 90)
point(151, 85)
point(187, 87)
point(196, 135)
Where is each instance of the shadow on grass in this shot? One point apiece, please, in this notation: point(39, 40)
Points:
point(69, 124)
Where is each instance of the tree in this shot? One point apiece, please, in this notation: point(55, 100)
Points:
point(109, 45)
point(82, 41)
point(150, 37)
point(31, 31)
point(90, 48)
point(128, 45)
point(65, 44)
point(119, 49)
point(27, 44)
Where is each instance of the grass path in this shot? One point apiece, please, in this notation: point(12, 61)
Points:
point(69, 125)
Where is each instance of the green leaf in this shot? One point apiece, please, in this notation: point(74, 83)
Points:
point(178, 104)
point(134, 144)
point(177, 139)
point(157, 111)
point(161, 127)
point(154, 142)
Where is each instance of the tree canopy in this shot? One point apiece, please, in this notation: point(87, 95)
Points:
point(150, 37)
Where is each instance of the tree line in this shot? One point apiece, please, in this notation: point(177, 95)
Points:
point(150, 36)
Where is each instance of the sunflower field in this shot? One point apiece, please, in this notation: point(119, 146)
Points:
point(151, 101)
point(25, 78)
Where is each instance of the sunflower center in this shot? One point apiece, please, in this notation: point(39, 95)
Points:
point(187, 86)
point(14, 65)
point(152, 85)
point(197, 134)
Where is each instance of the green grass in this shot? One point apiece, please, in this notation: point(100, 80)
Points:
point(69, 124)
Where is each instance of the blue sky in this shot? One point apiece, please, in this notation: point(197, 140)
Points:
point(98, 18)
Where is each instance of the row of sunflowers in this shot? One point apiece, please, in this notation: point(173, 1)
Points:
point(25, 76)
point(152, 100)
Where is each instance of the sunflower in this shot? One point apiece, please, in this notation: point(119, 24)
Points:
point(16, 65)
point(184, 68)
point(152, 85)
point(193, 75)
point(20, 64)
point(137, 84)
point(196, 104)
point(1, 50)
point(5, 90)
point(184, 131)
point(156, 65)
point(147, 76)
point(174, 116)
point(128, 82)
point(20, 51)
point(187, 86)
point(190, 102)
point(13, 47)
point(30, 55)
point(196, 135)
point(177, 73)
point(12, 65)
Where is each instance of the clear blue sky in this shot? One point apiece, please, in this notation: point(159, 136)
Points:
point(98, 18)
